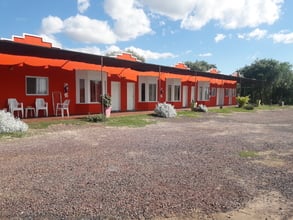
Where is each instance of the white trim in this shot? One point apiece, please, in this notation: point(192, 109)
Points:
point(37, 94)
point(89, 75)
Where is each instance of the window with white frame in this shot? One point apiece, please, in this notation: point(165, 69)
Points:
point(90, 85)
point(213, 91)
point(36, 85)
point(203, 91)
point(233, 92)
point(148, 88)
point(227, 92)
point(173, 90)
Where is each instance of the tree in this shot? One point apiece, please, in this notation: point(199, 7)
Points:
point(199, 65)
point(275, 81)
point(133, 53)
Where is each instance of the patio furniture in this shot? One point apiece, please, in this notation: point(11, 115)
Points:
point(14, 105)
point(41, 105)
point(31, 110)
point(63, 107)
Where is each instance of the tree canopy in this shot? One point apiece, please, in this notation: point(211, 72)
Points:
point(133, 53)
point(276, 81)
point(199, 65)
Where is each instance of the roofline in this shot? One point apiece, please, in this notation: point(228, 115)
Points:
point(14, 48)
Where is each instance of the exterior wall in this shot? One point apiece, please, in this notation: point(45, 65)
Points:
point(13, 83)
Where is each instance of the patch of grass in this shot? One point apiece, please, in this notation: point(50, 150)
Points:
point(131, 120)
point(12, 135)
point(187, 113)
point(269, 107)
point(227, 110)
point(248, 154)
point(47, 123)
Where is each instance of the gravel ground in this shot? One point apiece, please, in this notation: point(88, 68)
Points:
point(181, 168)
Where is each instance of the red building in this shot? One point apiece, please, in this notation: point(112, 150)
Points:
point(31, 68)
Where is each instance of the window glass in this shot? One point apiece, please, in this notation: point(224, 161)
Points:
point(176, 93)
point(95, 90)
point(90, 85)
point(147, 89)
point(152, 92)
point(36, 85)
point(169, 98)
point(204, 91)
point(143, 92)
point(81, 90)
point(207, 93)
point(173, 89)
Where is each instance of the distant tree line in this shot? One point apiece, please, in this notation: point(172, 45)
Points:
point(275, 81)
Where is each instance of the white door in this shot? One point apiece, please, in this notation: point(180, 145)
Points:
point(192, 97)
point(116, 96)
point(130, 96)
point(230, 96)
point(220, 96)
point(185, 96)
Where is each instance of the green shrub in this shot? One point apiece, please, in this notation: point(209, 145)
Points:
point(248, 107)
point(242, 100)
point(96, 118)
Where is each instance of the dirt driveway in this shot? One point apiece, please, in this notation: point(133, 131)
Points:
point(234, 166)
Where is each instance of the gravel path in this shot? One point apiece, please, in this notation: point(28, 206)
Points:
point(181, 168)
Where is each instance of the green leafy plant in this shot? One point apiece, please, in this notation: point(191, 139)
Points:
point(248, 107)
point(96, 118)
point(106, 100)
point(242, 100)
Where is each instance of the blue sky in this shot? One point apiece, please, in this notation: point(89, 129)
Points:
point(227, 33)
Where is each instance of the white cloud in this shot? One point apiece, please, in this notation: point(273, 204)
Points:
point(51, 39)
point(194, 14)
point(255, 34)
point(84, 29)
point(130, 19)
point(113, 49)
point(219, 37)
point(90, 50)
point(150, 55)
point(282, 37)
point(83, 5)
point(51, 25)
point(80, 28)
point(205, 55)
point(176, 10)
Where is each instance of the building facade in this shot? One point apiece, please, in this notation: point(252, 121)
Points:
point(31, 68)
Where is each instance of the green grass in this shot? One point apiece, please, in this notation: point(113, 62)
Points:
point(248, 154)
point(12, 135)
point(187, 113)
point(270, 107)
point(227, 110)
point(47, 123)
point(140, 120)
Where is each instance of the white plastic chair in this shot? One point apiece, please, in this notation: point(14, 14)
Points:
point(14, 105)
point(63, 107)
point(41, 105)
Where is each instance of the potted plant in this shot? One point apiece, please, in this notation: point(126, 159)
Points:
point(106, 102)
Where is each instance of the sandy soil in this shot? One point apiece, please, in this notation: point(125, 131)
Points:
point(182, 168)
